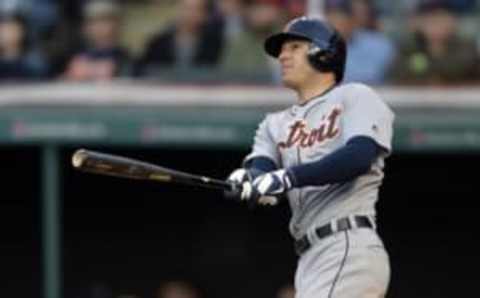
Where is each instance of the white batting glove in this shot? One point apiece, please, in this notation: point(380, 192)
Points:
point(239, 176)
point(273, 183)
point(250, 194)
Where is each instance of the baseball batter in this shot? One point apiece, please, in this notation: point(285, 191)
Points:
point(326, 155)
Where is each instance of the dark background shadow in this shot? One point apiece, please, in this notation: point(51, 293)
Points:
point(130, 235)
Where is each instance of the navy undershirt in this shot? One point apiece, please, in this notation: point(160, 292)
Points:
point(344, 164)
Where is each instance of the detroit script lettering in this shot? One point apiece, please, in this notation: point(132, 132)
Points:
point(300, 135)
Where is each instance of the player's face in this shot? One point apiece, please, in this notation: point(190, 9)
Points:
point(296, 69)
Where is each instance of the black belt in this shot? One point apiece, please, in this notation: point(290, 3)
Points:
point(343, 224)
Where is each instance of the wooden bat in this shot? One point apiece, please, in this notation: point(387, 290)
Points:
point(119, 166)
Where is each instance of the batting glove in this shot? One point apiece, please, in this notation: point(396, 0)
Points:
point(238, 178)
point(266, 189)
point(250, 194)
point(273, 183)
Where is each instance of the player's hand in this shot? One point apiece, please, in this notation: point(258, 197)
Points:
point(244, 190)
point(251, 195)
point(273, 183)
point(237, 178)
point(266, 189)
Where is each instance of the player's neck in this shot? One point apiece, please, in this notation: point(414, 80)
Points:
point(315, 88)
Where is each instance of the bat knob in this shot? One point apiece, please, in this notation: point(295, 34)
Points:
point(79, 157)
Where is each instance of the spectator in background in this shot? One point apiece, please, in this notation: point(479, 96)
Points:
point(232, 13)
point(462, 6)
point(365, 15)
point(434, 53)
point(18, 61)
point(244, 57)
point(192, 41)
point(370, 53)
point(177, 289)
point(40, 15)
point(296, 8)
point(457, 6)
point(101, 57)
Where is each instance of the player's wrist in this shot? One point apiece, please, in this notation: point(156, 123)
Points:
point(291, 178)
point(254, 173)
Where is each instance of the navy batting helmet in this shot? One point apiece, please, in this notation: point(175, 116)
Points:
point(327, 52)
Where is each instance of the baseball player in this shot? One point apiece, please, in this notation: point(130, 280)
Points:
point(325, 154)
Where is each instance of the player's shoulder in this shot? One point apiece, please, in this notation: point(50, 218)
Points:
point(364, 94)
point(360, 91)
point(356, 88)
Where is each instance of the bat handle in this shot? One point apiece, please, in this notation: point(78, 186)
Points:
point(234, 191)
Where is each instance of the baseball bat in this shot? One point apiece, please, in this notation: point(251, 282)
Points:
point(119, 166)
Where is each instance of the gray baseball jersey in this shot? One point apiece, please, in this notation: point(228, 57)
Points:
point(306, 133)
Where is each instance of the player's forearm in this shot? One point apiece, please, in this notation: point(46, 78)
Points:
point(346, 163)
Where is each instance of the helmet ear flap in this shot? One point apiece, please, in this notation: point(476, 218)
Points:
point(319, 58)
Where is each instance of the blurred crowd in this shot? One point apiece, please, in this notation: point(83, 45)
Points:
point(428, 42)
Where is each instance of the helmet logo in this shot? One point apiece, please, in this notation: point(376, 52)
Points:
point(317, 54)
point(314, 50)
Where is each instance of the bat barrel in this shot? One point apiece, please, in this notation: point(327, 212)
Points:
point(113, 165)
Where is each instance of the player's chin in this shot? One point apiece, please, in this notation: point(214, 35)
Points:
point(288, 82)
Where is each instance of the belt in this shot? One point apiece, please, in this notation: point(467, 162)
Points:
point(343, 224)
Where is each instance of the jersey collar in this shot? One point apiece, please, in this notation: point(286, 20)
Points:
point(315, 99)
